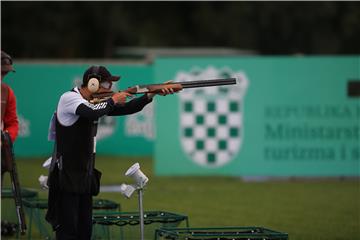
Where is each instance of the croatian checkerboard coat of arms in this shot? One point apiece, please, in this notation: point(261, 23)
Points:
point(211, 118)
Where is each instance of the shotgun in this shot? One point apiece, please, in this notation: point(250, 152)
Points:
point(7, 152)
point(156, 88)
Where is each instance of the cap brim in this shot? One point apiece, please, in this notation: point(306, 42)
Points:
point(114, 78)
point(7, 68)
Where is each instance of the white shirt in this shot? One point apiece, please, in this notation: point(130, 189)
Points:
point(67, 106)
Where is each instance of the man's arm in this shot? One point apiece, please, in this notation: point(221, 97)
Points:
point(136, 104)
point(108, 107)
point(11, 122)
point(133, 106)
point(95, 111)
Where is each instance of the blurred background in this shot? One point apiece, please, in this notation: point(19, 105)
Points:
point(280, 149)
point(98, 29)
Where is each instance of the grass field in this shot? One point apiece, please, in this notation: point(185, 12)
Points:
point(305, 209)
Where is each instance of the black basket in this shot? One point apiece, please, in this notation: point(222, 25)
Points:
point(219, 233)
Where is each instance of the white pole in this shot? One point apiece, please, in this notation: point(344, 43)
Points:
point(141, 214)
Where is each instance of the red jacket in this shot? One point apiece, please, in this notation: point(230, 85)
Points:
point(9, 119)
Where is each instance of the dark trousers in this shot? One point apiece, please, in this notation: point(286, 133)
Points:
point(75, 216)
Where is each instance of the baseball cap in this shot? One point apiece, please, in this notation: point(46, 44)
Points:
point(6, 62)
point(99, 72)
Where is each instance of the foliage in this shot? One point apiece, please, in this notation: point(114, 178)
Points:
point(95, 29)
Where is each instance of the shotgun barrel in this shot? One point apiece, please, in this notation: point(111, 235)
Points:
point(155, 88)
point(208, 83)
point(198, 83)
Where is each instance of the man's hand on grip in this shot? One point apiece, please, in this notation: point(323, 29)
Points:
point(120, 97)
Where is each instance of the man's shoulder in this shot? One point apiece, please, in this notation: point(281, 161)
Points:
point(6, 90)
point(71, 98)
point(5, 87)
point(71, 94)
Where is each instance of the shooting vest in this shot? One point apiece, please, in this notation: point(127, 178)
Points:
point(75, 151)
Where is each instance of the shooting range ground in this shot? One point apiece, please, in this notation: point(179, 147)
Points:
point(303, 208)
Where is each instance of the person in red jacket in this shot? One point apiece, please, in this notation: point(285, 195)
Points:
point(10, 124)
point(9, 119)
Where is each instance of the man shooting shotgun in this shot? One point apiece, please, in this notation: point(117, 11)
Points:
point(158, 88)
point(73, 179)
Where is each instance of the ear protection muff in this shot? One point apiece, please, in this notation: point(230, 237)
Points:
point(93, 85)
point(94, 81)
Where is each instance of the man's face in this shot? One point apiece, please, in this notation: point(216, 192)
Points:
point(105, 86)
point(6, 65)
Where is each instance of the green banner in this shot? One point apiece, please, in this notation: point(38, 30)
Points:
point(38, 88)
point(287, 116)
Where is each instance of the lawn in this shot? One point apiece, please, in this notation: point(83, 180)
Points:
point(306, 209)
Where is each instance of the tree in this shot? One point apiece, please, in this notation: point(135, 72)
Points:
point(96, 29)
